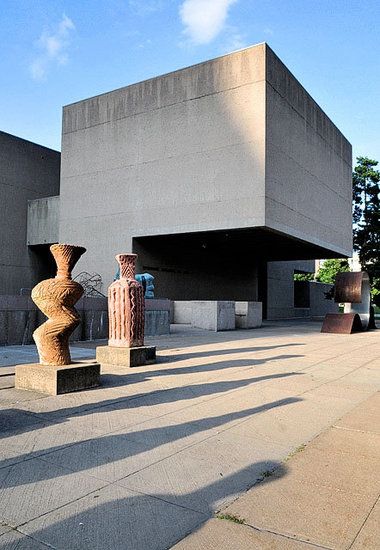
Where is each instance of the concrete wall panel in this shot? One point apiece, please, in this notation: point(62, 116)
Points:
point(308, 165)
point(43, 221)
point(27, 171)
point(179, 153)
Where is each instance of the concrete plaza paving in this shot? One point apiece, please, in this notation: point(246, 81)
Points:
point(159, 452)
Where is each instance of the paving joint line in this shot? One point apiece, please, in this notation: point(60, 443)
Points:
point(61, 506)
point(355, 430)
point(288, 537)
point(68, 445)
point(15, 529)
point(207, 515)
point(364, 522)
point(188, 447)
point(57, 422)
point(141, 469)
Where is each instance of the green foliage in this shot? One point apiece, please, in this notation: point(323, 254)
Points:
point(304, 276)
point(366, 216)
point(375, 291)
point(229, 517)
point(329, 270)
point(296, 451)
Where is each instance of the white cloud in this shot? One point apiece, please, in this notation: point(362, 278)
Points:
point(53, 48)
point(204, 19)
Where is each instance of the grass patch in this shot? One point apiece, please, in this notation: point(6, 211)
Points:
point(228, 517)
point(296, 451)
point(267, 473)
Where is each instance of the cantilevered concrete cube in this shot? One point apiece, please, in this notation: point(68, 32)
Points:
point(209, 172)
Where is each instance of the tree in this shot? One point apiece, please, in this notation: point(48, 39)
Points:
point(366, 216)
point(329, 270)
point(303, 276)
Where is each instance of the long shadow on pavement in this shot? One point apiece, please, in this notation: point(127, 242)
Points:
point(216, 352)
point(107, 519)
point(103, 450)
point(131, 377)
point(19, 421)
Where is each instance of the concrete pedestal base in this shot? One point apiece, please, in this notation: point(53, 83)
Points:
point(126, 357)
point(55, 380)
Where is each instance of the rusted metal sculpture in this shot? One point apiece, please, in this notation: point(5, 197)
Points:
point(56, 298)
point(126, 306)
point(354, 290)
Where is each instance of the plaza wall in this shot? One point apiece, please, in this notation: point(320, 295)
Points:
point(27, 171)
point(281, 289)
point(282, 293)
point(19, 318)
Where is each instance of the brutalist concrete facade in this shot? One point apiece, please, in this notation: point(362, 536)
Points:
point(27, 171)
point(207, 173)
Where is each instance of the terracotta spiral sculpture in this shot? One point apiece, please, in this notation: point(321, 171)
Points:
point(126, 306)
point(56, 298)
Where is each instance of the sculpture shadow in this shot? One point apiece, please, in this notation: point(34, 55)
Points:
point(214, 353)
point(19, 421)
point(112, 448)
point(140, 521)
point(133, 377)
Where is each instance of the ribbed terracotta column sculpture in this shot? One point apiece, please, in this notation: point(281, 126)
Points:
point(126, 311)
point(56, 298)
point(126, 306)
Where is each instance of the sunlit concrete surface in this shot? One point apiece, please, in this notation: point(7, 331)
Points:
point(326, 495)
point(150, 456)
point(209, 171)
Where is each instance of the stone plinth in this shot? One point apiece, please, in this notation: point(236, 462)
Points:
point(126, 357)
point(57, 379)
point(248, 314)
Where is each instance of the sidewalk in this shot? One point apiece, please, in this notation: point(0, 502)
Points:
point(157, 451)
point(329, 497)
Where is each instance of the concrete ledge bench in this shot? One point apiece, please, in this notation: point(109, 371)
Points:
point(248, 314)
point(212, 315)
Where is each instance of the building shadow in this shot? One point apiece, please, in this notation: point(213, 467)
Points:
point(142, 521)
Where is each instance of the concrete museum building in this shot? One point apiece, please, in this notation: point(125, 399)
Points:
point(224, 177)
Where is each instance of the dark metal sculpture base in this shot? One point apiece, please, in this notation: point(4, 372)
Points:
point(342, 323)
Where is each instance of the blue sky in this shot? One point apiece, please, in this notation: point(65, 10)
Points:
point(55, 52)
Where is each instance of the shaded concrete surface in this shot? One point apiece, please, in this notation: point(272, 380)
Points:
point(159, 452)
